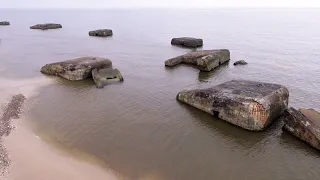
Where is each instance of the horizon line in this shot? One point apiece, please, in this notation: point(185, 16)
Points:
point(191, 8)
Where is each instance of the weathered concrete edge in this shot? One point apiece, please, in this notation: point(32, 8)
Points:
point(275, 111)
point(299, 118)
point(180, 59)
point(100, 84)
point(248, 106)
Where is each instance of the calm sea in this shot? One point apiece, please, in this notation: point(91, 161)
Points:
point(137, 127)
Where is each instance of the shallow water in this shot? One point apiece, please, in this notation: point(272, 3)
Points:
point(137, 128)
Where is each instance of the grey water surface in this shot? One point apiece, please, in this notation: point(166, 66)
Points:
point(137, 127)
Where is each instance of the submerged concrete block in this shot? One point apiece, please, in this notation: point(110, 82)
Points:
point(76, 69)
point(4, 23)
point(205, 60)
point(46, 26)
point(248, 104)
point(101, 32)
point(303, 124)
point(103, 77)
point(187, 42)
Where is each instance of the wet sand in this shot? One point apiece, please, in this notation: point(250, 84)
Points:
point(32, 158)
point(10, 111)
point(24, 155)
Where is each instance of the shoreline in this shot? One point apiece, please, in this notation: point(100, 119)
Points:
point(27, 156)
point(33, 158)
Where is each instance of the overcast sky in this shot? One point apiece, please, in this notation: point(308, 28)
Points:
point(155, 3)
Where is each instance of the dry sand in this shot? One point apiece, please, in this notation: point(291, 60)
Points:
point(27, 157)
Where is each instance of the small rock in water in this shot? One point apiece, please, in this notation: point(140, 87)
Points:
point(101, 33)
point(46, 26)
point(4, 23)
point(106, 76)
point(205, 60)
point(76, 69)
point(304, 124)
point(187, 42)
point(248, 104)
point(241, 62)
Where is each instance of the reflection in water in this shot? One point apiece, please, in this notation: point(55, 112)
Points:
point(205, 76)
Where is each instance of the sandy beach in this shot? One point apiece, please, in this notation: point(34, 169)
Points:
point(25, 156)
point(31, 158)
